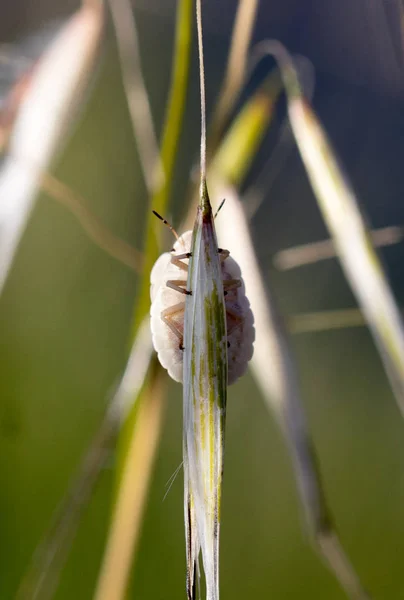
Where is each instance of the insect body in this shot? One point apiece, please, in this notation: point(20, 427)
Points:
point(168, 289)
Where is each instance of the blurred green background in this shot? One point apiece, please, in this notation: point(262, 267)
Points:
point(65, 319)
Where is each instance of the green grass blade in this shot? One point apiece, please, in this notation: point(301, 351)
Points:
point(205, 392)
point(239, 147)
point(171, 133)
point(133, 480)
point(242, 141)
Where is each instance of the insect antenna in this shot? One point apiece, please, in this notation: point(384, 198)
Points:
point(173, 477)
point(167, 223)
point(220, 207)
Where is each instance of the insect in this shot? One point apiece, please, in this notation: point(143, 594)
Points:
point(168, 281)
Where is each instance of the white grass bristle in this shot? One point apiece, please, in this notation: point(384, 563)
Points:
point(241, 332)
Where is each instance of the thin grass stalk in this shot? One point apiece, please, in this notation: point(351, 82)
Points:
point(171, 132)
point(99, 234)
point(307, 254)
point(325, 320)
point(233, 79)
point(240, 144)
point(274, 367)
point(95, 230)
point(124, 530)
point(347, 227)
point(136, 93)
point(235, 69)
point(123, 536)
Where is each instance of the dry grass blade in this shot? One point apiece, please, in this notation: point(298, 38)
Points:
point(136, 93)
point(326, 320)
point(341, 213)
point(275, 370)
point(135, 478)
point(96, 231)
point(42, 577)
point(306, 254)
point(261, 187)
point(235, 70)
point(54, 91)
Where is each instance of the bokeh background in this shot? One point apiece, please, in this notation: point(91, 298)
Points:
point(66, 313)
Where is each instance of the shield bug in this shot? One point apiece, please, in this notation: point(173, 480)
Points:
point(168, 289)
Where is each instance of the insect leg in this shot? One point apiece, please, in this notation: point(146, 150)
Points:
point(179, 286)
point(236, 317)
point(230, 284)
point(184, 255)
point(177, 260)
point(166, 317)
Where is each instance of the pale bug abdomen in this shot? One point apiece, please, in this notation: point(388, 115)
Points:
point(168, 282)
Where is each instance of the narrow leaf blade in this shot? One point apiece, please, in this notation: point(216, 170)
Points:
point(205, 392)
point(276, 372)
point(56, 86)
point(343, 217)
